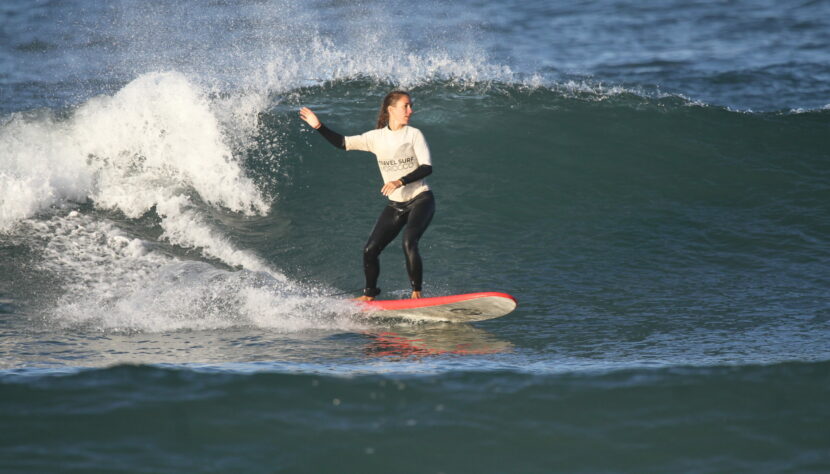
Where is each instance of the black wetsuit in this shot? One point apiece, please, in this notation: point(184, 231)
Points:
point(414, 216)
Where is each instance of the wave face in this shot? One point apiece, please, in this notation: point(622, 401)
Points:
point(651, 182)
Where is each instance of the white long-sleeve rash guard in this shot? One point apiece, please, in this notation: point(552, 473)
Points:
point(399, 153)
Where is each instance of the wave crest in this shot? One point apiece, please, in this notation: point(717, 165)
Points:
point(156, 143)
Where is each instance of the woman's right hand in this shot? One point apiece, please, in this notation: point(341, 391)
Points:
point(309, 117)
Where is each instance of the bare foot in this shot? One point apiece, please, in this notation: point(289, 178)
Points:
point(416, 295)
point(365, 298)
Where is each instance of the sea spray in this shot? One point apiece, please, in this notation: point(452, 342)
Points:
point(114, 282)
point(151, 145)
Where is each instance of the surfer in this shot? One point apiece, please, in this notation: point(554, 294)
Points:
point(404, 160)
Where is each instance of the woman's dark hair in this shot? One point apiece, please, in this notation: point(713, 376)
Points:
point(391, 98)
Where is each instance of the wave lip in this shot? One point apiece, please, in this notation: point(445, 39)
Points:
point(155, 144)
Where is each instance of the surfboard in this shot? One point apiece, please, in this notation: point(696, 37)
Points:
point(464, 308)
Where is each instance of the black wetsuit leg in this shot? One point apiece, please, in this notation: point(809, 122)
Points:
point(389, 224)
point(418, 220)
point(416, 216)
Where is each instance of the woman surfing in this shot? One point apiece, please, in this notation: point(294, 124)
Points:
point(404, 160)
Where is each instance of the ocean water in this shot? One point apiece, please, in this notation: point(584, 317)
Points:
point(651, 180)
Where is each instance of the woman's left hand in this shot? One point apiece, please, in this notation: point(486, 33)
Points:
point(390, 187)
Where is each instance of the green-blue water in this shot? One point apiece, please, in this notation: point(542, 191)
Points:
point(651, 183)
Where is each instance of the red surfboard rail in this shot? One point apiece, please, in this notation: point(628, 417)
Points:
point(410, 303)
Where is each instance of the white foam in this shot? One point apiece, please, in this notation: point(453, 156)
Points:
point(801, 110)
point(159, 134)
point(197, 296)
point(92, 257)
point(112, 282)
point(35, 172)
point(384, 60)
point(150, 145)
point(186, 227)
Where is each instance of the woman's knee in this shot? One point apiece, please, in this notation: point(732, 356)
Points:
point(372, 250)
point(410, 246)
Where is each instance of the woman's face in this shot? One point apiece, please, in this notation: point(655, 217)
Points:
point(400, 111)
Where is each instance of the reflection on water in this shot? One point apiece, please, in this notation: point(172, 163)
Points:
point(431, 340)
point(27, 343)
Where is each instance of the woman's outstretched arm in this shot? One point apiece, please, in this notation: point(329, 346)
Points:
point(333, 137)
